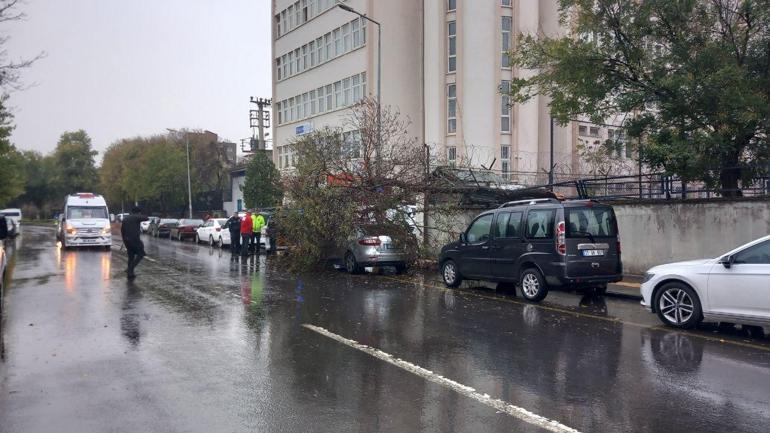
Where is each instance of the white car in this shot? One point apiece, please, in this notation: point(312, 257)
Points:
point(13, 216)
point(214, 232)
point(734, 288)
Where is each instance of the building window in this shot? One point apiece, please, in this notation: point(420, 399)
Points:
point(278, 68)
point(451, 104)
point(451, 5)
point(337, 42)
point(452, 47)
point(593, 131)
point(451, 155)
point(347, 38)
point(505, 161)
point(338, 101)
point(505, 59)
point(505, 106)
point(583, 130)
point(506, 3)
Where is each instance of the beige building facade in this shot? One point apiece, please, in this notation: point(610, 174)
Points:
point(443, 66)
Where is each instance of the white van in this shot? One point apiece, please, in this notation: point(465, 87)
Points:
point(85, 221)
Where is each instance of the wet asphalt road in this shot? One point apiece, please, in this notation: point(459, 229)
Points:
point(202, 343)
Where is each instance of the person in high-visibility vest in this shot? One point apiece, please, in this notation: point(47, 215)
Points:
point(259, 222)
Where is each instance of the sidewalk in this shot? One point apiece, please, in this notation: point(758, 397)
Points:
point(628, 288)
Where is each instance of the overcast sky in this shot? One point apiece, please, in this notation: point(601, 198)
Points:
point(119, 69)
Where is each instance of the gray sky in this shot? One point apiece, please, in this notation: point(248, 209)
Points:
point(119, 69)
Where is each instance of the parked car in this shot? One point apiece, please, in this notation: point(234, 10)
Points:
point(3, 258)
point(185, 229)
point(373, 245)
point(538, 244)
point(731, 288)
point(213, 231)
point(13, 216)
point(162, 227)
point(144, 226)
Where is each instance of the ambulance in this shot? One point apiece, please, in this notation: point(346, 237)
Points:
point(85, 221)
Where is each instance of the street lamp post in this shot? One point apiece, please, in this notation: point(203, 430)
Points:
point(189, 187)
point(379, 73)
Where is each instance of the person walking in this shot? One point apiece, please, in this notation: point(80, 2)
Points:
point(129, 231)
point(247, 226)
point(259, 222)
point(233, 225)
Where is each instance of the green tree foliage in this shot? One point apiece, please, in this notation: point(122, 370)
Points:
point(342, 179)
point(693, 78)
point(152, 171)
point(262, 187)
point(74, 161)
point(11, 161)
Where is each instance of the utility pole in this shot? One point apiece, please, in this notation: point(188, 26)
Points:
point(260, 119)
point(189, 184)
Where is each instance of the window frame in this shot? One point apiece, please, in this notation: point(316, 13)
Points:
point(550, 236)
point(491, 217)
point(451, 109)
point(451, 46)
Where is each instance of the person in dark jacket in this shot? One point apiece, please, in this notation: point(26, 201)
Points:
point(233, 225)
point(130, 230)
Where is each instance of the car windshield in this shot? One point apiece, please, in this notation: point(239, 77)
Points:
point(11, 213)
point(86, 212)
point(591, 222)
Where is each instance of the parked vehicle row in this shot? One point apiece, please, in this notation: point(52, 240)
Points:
point(542, 244)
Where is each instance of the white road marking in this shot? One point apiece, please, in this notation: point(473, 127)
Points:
point(497, 404)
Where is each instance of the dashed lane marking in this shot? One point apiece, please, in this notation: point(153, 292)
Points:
point(497, 404)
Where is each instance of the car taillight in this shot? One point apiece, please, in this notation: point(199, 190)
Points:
point(561, 245)
point(370, 241)
point(219, 229)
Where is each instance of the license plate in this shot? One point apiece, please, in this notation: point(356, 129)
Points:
point(593, 253)
point(89, 241)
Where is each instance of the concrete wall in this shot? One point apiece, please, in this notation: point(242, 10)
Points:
point(653, 234)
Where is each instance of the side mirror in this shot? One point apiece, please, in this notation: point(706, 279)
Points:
point(463, 239)
point(727, 261)
point(112, 217)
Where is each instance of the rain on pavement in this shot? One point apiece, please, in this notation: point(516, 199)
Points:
point(200, 342)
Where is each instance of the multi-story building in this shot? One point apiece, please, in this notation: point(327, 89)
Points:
point(325, 60)
point(444, 66)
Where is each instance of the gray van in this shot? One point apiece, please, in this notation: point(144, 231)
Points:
point(538, 244)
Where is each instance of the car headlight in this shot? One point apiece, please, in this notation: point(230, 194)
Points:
point(107, 229)
point(647, 277)
point(70, 230)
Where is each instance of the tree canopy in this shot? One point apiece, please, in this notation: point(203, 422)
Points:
point(692, 79)
point(262, 187)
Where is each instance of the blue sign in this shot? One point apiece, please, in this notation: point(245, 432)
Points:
point(303, 128)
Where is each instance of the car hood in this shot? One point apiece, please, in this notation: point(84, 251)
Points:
point(687, 263)
point(88, 222)
point(450, 246)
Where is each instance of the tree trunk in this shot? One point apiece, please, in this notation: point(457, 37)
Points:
point(728, 180)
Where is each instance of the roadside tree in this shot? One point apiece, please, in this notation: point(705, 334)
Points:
point(262, 187)
point(692, 77)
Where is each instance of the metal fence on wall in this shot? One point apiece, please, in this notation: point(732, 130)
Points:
point(648, 186)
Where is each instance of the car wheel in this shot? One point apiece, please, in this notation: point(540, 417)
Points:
point(220, 243)
point(351, 265)
point(197, 238)
point(678, 305)
point(533, 287)
point(451, 274)
point(211, 241)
